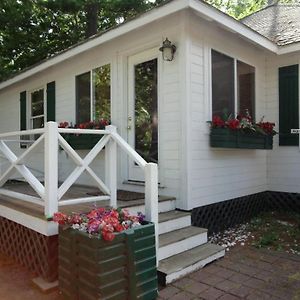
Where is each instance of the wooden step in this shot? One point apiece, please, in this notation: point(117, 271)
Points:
point(165, 204)
point(180, 240)
point(173, 220)
point(181, 264)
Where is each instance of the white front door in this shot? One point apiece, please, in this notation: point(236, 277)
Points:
point(143, 116)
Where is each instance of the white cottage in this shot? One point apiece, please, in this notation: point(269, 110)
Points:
point(161, 109)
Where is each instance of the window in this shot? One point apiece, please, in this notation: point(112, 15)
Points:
point(233, 85)
point(37, 109)
point(93, 95)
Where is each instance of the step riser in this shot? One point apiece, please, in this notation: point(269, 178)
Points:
point(163, 206)
point(174, 276)
point(181, 246)
point(175, 224)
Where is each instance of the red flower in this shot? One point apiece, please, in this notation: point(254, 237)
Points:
point(108, 236)
point(119, 228)
point(217, 122)
point(60, 218)
point(233, 124)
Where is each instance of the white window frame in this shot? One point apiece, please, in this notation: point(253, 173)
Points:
point(29, 108)
point(235, 60)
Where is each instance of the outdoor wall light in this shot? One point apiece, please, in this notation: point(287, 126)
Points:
point(168, 50)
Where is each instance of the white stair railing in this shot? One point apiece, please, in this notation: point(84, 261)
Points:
point(50, 194)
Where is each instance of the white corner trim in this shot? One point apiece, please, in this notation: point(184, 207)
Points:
point(232, 25)
point(41, 226)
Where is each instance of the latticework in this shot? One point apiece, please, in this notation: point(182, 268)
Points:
point(37, 252)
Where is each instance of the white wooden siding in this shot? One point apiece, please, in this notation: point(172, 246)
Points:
point(116, 53)
point(220, 174)
point(283, 161)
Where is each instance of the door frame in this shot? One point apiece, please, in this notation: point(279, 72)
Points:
point(134, 173)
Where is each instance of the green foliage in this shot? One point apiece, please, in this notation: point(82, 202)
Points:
point(242, 8)
point(32, 30)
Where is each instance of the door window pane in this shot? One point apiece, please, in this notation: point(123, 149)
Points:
point(222, 84)
point(246, 88)
point(101, 91)
point(83, 98)
point(146, 114)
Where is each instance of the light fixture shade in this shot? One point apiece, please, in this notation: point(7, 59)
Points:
point(167, 50)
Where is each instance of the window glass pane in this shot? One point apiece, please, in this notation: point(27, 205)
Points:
point(101, 90)
point(146, 114)
point(222, 84)
point(37, 103)
point(83, 98)
point(38, 122)
point(246, 88)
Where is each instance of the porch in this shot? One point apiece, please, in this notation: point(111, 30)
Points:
point(26, 206)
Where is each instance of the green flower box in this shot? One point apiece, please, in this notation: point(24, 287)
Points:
point(82, 141)
point(226, 138)
point(125, 268)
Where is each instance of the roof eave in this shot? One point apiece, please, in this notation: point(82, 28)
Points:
point(205, 10)
point(153, 15)
point(288, 48)
point(233, 25)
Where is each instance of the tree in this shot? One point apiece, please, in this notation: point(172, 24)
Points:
point(32, 30)
point(242, 8)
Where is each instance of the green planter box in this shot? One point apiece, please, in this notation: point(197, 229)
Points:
point(125, 268)
point(82, 141)
point(226, 138)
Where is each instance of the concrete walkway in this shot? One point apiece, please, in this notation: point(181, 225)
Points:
point(245, 273)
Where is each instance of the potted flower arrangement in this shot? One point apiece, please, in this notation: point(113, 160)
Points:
point(83, 141)
point(241, 132)
point(106, 254)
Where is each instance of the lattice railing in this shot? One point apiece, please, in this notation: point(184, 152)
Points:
point(49, 193)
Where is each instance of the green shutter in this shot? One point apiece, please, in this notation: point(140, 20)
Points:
point(51, 101)
point(23, 121)
point(288, 105)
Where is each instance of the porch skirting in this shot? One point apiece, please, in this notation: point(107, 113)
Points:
point(222, 215)
point(35, 251)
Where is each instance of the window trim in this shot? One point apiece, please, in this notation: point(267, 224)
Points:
point(30, 118)
point(235, 60)
point(91, 73)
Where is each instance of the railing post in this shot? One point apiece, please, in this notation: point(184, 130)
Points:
point(151, 198)
point(51, 168)
point(111, 166)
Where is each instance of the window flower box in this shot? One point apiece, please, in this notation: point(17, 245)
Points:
point(84, 141)
point(106, 254)
point(226, 138)
point(241, 133)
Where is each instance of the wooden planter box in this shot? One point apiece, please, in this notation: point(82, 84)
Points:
point(82, 141)
point(226, 138)
point(125, 268)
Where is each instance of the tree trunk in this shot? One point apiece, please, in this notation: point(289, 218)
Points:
point(92, 10)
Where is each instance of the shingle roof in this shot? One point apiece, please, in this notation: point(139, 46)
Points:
point(279, 23)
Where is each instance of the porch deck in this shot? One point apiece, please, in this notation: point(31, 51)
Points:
point(76, 191)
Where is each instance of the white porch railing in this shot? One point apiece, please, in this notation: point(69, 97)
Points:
point(50, 194)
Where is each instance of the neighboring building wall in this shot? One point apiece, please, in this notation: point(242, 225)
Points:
point(219, 174)
point(283, 161)
point(115, 52)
